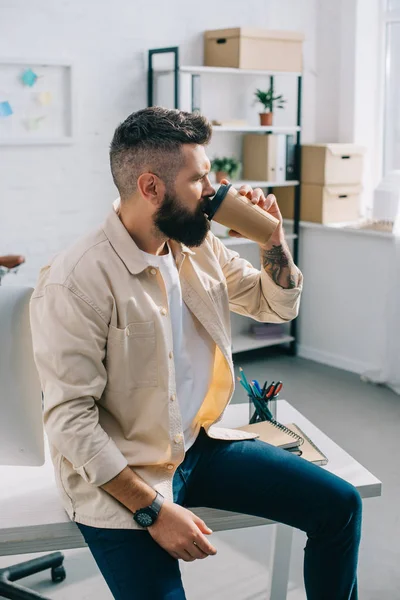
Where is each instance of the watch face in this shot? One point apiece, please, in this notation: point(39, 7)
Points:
point(145, 517)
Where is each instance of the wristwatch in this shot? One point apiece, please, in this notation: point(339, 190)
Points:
point(145, 517)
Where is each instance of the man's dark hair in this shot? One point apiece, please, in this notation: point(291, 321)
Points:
point(151, 139)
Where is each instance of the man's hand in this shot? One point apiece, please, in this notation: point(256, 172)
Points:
point(275, 255)
point(175, 529)
point(181, 533)
point(269, 204)
point(11, 261)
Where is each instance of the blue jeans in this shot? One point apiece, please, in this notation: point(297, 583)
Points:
point(246, 477)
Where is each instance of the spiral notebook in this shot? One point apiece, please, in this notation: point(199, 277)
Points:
point(309, 450)
point(275, 433)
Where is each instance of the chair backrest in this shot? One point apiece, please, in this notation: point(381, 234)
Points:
point(21, 425)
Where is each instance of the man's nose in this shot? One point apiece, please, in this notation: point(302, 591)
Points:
point(208, 189)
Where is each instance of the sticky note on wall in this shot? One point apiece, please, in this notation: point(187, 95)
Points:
point(5, 109)
point(29, 77)
point(45, 98)
point(32, 124)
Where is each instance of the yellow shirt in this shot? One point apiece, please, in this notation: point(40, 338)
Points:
point(103, 347)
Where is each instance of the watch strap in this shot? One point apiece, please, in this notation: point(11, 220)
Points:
point(157, 503)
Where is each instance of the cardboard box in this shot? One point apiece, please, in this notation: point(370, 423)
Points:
point(332, 164)
point(246, 48)
point(285, 199)
point(322, 204)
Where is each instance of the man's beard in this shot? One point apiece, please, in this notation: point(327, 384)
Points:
point(177, 223)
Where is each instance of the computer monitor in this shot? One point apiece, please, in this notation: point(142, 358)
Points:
point(21, 425)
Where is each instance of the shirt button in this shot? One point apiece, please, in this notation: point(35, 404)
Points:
point(173, 398)
point(170, 467)
point(163, 311)
point(178, 438)
point(153, 271)
point(171, 354)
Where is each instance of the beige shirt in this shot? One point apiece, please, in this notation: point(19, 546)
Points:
point(103, 346)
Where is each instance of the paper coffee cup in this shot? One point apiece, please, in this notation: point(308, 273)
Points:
point(231, 209)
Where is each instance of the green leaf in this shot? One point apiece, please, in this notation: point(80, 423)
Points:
point(228, 164)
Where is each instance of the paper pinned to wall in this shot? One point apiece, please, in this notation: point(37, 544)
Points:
point(29, 77)
point(5, 109)
point(45, 98)
point(36, 90)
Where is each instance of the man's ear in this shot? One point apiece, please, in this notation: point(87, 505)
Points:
point(152, 188)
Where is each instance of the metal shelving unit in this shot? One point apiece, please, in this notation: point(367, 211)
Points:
point(242, 341)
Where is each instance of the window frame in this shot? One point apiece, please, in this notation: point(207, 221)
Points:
point(390, 17)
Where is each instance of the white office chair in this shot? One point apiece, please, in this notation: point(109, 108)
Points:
point(21, 425)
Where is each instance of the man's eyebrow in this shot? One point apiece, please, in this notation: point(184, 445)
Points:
point(202, 173)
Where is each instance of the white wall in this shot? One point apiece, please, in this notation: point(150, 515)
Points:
point(349, 81)
point(348, 276)
point(361, 84)
point(50, 195)
point(328, 71)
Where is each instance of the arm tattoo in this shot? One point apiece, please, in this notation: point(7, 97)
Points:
point(278, 264)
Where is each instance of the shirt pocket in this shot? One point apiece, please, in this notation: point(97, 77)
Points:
point(131, 358)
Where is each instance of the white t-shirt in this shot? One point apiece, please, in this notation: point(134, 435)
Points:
point(193, 348)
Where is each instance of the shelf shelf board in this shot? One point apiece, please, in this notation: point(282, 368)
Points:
point(255, 129)
point(231, 242)
point(245, 341)
point(261, 184)
point(228, 71)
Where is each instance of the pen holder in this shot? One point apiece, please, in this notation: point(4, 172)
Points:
point(254, 416)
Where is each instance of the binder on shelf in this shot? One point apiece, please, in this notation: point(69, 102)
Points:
point(270, 157)
point(290, 157)
point(280, 167)
point(259, 157)
point(196, 93)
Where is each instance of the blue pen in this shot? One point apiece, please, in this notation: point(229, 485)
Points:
point(254, 391)
point(257, 386)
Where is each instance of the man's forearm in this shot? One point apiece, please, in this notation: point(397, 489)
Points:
point(129, 489)
point(278, 263)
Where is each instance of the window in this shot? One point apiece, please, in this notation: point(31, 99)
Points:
point(391, 144)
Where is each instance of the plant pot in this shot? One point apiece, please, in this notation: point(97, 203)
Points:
point(219, 175)
point(266, 119)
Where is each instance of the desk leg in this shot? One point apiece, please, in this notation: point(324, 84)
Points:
point(280, 562)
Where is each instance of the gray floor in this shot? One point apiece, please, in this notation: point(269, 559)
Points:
point(363, 419)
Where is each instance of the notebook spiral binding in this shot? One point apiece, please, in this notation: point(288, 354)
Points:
point(312, 444)
point(288, 431)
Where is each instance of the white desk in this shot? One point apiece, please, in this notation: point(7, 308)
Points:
point(33, 520)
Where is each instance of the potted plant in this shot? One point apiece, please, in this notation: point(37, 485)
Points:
point(268, 100)
point(226, 168)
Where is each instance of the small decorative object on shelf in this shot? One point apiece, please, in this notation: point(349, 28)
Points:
point(226, 168)
point(268, 100)
point(373, 225)
point(266, 330)
point(229, 122)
